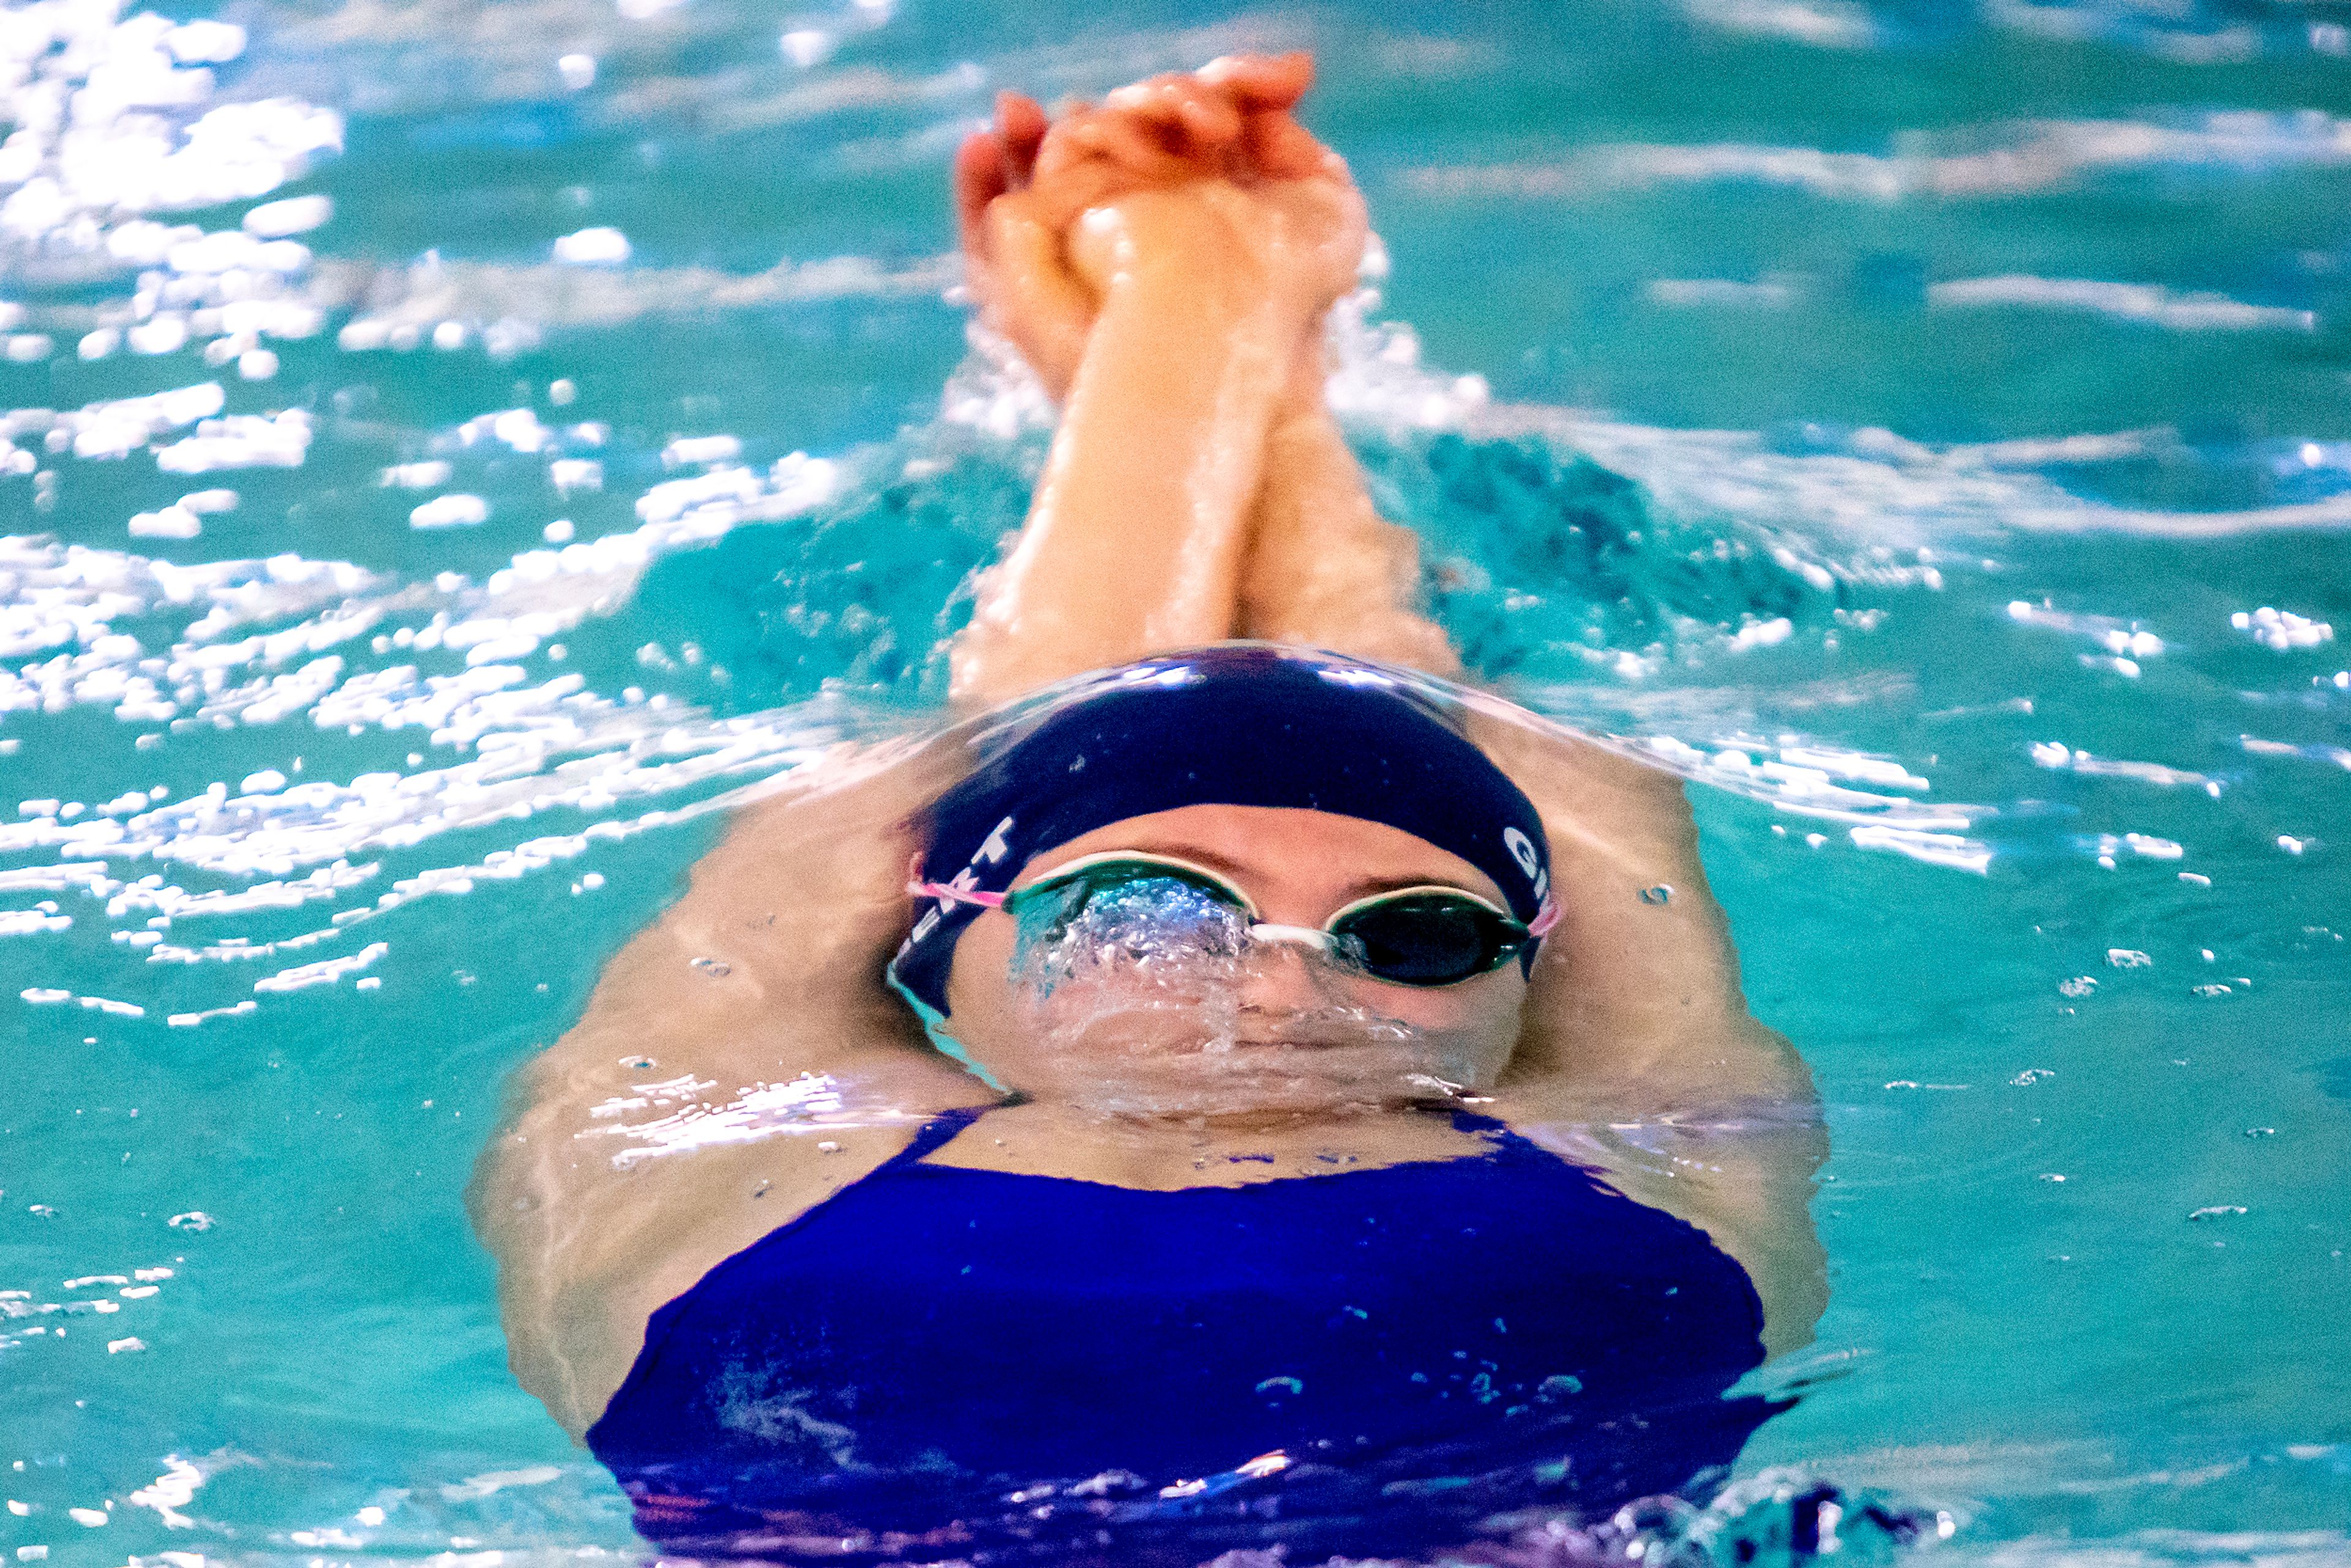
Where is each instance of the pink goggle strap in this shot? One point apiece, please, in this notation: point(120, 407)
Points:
point(948, 892)
point(1545, 918)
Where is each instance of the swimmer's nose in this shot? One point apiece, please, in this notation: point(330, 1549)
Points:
point(1281, 977)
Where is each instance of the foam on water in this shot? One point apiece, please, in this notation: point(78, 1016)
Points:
point(2038, 156)
point(1137, 1000)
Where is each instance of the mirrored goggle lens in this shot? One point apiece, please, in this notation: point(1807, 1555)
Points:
point(1124, 898)
point(1428, 938)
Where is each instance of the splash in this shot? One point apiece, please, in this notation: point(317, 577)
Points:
point(1152, 1000)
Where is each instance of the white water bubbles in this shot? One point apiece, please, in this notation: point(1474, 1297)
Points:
point(680, 1115)
point(457, 511)
point(1153, 1000)
point(117, 126)
point(2057, 756)
point(281, 440)
point(97, 141)
point(294, 216)
point(2123, 644)
point(2110, 850)
point(240, 645)
point(593, 247)
point(120, 426)
point(1810, 779)
point(257, 843)
point(2281, 630)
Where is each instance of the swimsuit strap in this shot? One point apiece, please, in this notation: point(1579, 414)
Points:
point(935, 1135)
point(1505, 1136)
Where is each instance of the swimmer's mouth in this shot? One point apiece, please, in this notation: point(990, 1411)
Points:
point(1265, 1050)
point(1318, 1043)
point(1349, 1032)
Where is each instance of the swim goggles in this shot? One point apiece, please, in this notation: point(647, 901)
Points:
point(1427, 935)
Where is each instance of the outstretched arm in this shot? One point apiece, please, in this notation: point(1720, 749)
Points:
point(1323, 568)
point(1209, 235)
point(1134, 542)
point(1317, 566)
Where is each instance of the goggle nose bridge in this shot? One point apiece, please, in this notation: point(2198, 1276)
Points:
point(1299, 936)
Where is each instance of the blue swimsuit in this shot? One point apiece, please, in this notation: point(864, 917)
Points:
point(941, 1362)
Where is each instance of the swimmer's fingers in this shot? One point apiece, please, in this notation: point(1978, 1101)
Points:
point(1021, 125)
point(1073, 174)
point(979, 178)
point(1091, 156)
point(1136, 146)
point(1195, 120)
point(993, 161)
point(1230, 118)
point(1011, 224)
point(1279, 148)
point(1261, 81)
point(1062, 150)
point(1266, 88)
point(1208, 120)
point(1034, 299)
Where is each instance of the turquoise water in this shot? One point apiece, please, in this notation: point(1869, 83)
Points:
point(1927, 427)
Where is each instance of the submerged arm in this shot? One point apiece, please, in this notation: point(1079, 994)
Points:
point(672, 1125)
point(1639, 1050)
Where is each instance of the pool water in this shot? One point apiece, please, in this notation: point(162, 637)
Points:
point(450, 448)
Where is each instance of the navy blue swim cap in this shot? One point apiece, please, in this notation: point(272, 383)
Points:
point(1233, 725)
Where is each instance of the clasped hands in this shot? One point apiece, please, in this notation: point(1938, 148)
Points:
point(1200, 186)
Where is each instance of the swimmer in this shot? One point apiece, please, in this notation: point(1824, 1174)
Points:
point(1233, 1058)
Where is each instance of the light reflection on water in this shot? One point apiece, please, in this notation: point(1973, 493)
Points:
point(387, 395)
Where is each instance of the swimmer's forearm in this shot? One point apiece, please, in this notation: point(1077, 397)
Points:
point(1135, 543)
point(1323, 568)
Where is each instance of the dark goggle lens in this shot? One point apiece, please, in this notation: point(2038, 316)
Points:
point(1429, 939)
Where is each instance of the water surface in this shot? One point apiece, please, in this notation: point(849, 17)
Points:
point(449, 447)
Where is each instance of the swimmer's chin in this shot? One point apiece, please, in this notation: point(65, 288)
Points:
point(1091, 1024)
point(1235, 1085)
point(1118, 1056)
point(1232, 1106)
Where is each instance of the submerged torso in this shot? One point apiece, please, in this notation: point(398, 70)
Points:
point(1417, 1343)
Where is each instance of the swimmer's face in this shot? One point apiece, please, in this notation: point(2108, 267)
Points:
point(1193, 1029)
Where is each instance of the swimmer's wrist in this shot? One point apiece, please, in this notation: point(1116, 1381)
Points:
point(1210, 294)
point(1162, 257)
point(1303, 406)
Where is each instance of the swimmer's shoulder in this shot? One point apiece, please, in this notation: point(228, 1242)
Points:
point(718, 1083)
point(583, 1267)
point(1595, 780)
point(1639, 979)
